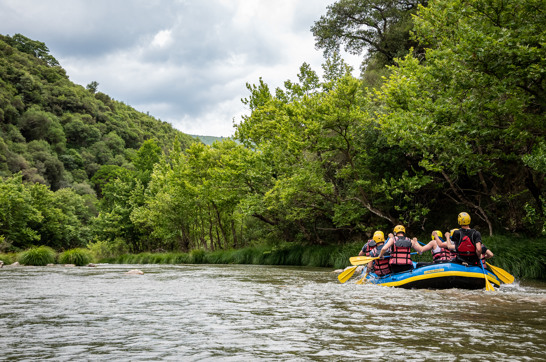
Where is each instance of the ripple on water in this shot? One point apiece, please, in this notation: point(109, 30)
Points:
point(241, 312)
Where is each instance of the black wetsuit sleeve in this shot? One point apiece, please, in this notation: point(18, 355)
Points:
point(477, 237)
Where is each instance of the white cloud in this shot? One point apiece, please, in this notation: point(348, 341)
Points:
point(162, 39)
point(186, 63)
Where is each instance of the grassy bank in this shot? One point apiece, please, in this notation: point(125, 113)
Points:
point(287, 254)
point(523, 258)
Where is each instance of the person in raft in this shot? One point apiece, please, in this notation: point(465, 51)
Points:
point(400, 259)
point(369, 246)
point(379, 266)
point(439, 254)
point(486, 252)
point(465, 242)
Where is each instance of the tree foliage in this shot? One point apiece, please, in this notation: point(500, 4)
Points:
point(473, 112)
point(378, 28)
point(39, 103)
point(321, 160)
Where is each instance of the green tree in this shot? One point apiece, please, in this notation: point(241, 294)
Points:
point(92, 87)
point(60, 226)
point(113, 223)
point(33, 47)
point(147, 156)
point(107, 173)
point(473, 112)
point(381, 28)
point(17, 213)
point(322, 162)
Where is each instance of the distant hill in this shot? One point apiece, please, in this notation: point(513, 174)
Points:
point(209, 140)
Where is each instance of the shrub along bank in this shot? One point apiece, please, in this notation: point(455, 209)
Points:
point(524, 258)
point(44, 255)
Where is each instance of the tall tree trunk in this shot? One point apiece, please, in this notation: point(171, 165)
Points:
point(211, 234)
point(220, 225)
point(234, 233)
point(218, 236)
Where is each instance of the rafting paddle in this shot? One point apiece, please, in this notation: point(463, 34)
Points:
point(361, 260)
point(346, 274)
point(361, 280)
point(502, 274)
point(488, 285)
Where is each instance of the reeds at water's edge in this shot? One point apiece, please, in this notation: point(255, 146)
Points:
point(523, 258)
point(39, 256)
point(78, 257)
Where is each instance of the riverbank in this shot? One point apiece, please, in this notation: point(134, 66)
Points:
point(523, 258)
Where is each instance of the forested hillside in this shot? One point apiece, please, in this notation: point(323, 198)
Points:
point(61, 137)
point(59, 133)
point(448, 115)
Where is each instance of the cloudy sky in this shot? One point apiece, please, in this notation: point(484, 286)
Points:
point(185, 62)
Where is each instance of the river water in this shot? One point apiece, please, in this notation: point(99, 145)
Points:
point(248, 313)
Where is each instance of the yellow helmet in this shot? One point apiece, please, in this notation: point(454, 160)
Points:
point(463, 218)
point(379, 237)
point(452, 231)
point(440, 235)
point(399, 229)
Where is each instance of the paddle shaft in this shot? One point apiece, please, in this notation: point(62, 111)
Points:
point(488, 285)
point(361, 260)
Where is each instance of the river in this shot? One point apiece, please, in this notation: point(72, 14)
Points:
point(248, 313)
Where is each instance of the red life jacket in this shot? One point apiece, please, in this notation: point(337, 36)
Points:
point(401, 249)
point(380, 266)
point(367, 248)
point(443, 255)
point(465, 247)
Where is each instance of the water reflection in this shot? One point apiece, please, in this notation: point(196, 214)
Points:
point(254, 312)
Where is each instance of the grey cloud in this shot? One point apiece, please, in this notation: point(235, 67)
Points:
point(196, 75)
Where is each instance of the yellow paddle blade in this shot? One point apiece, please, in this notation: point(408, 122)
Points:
point(346, 274)
point(361, 260)
point(502, 274)
point(361, 280)
point(488, 285)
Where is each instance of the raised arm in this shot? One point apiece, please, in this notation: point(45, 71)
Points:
point(421, 249)
point(447, 244)
point(416, 246)
point(439, 242)
point(387, 245)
